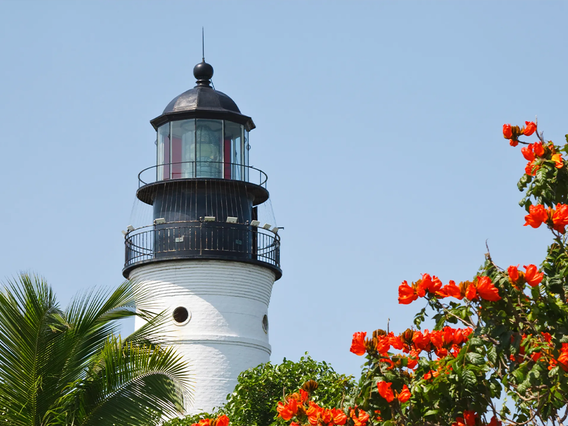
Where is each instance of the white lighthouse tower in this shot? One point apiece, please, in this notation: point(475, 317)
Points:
point(206, 259)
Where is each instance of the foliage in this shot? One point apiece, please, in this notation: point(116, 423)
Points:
point(503, 337)
point(67, 367)
point(254, 399)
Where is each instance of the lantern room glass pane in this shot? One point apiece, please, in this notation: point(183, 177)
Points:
point(163, 160)
point(183, 149)
point(209, 148)
point(234, 147)
point(246, 149)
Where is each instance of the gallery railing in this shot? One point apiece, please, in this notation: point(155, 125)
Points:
point(178, 240)
point(202, 169)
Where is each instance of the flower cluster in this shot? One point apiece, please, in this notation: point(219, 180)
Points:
point(481, 287)
point(555, 218)
point(536, 347)
point(513, 132)
point(219, 421)
point(535, 153)
point(387, 393)
point(531, 276)
point(442, 342)
point(308, 412)
point(470, 418)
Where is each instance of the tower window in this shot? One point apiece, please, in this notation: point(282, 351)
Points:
point(181, 315)
point(265, 324)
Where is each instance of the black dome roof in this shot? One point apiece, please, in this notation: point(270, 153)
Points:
point(203, 102)
point(202, 97)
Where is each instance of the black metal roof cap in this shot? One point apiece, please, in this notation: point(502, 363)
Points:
point(203, 102)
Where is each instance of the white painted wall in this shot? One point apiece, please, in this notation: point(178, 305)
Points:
point(224, 336)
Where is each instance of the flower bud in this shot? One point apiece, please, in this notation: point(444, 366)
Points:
point(310, 386)
point(407, 336)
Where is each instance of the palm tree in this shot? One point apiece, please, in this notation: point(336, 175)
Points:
point(66, 367)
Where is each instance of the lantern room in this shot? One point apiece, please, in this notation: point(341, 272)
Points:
point(202, 148)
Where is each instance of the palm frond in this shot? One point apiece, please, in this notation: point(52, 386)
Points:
point(29, 329)
point(132, 384)
point(64, 367)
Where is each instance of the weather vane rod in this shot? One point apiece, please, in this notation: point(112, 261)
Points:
point(203, 44)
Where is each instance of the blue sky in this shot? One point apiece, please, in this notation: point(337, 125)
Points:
point(378, 124)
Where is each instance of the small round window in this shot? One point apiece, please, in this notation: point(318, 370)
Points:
point(265, 324)
point(181, 315)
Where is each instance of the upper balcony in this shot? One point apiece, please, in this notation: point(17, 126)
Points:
point(202, 240)
point(184, 171)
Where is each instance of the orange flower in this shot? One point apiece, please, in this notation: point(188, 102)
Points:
point(284, 411)
point(361, 419)
point(450, 290)
point(385, 390)
point(557, 158)
point(431, 374)
point(406, 294)
point(537, 215)
point(404, 395)
point(314, 412)
point(529, 129)
point(513, 142)
point(437, 338)
point(528, 153)
point(494, 422)
point(358, 343)
point(421, 341)
point(469, 417)
point(507, 131)
point(395, 341)
point(538, 149)
point(435, 284)
point(513, 272)
point(326, 416)
point(387, 361)
point(383, 344)
point(560, 218)
point(532, 276)
point(222, 421)
point(430, 284)
point(412, 361)
point(289, 410)
point(532, 168)
point(471, 292)
point(563, 358)
point(426, 284)
point(339, 417)
point(487, 290)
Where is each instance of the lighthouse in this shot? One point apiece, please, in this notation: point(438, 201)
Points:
point(206, 259)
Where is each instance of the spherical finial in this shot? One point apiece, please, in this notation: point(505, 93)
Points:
point(203, 73)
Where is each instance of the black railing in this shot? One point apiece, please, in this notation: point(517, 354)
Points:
point(202, 169)
point(179, 240)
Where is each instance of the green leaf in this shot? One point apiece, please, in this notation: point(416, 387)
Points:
point(469, 378)
point(475, 358)
point(554, 371)
point(492, 354)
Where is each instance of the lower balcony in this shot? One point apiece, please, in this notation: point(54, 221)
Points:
point(202, 240)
